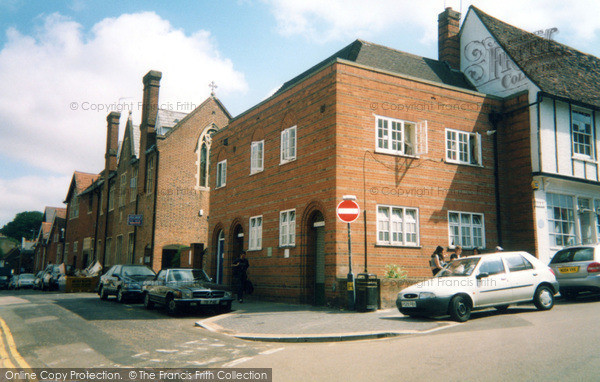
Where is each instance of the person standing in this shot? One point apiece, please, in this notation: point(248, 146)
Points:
point(457, 253)
point(240, 267)
point(437, 261)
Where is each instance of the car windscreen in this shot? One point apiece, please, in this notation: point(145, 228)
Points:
point(460, 267)
point(573, 254)
point(137, 271)
point(187, 275)
point(27, 276)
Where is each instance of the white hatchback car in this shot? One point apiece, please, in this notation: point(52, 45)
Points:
point(476, 282)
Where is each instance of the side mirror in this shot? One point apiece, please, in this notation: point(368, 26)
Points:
point(482, 275)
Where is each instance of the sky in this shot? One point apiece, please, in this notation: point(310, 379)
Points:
point(64, 65)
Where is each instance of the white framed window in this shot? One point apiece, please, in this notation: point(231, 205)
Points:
point(287, 228)
point(288, 145)
point(221, 173)
point(463, 148)
point(466, 229)
point(122, 190)
point(130, 245)
point(203, 153)
point(133, 185)
point(597, 210)
point(74, 207)
point(397, 226)
point(75, 245)
point(582, 133)
point(394, 136)
point(257, 156)
point(111, 197)
point(255, 239)
point(561, 219)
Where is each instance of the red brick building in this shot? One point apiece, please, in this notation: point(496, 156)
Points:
point(405, 134)
point(50, 239)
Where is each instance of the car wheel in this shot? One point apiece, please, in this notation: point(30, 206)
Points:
point(147, 303)
point(120, 296)
point(502, 308)
point(543, 298)
point(102, 293)
point(460, 308)
point(171, 306)
point(569, 294)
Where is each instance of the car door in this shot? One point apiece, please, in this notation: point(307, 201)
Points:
point(522, 276)
point(112, 279)
point(492, 283)
point(158, 290)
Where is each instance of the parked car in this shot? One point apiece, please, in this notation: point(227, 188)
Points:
point(124, 281)
point(577, 270)
point(185, 287)
point(50, 277)
point(476, 282)
point(5, 273)
point(37, 281)
point(25, 280)
point(12, 284)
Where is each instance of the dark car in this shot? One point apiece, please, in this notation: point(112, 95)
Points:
point(50, 277)
point(4, 277)
point(185, 287)
point(124, 281)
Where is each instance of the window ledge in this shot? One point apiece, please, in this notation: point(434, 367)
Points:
point(287, 161)
point(255, 172)
point(254, 249)
point(463, 163)
point(287, 246)
point(396, 154)
point(584, 158)
point(385, 245)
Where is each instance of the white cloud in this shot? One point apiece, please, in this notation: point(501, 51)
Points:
point(323, 21)
point(44, 77)
point(31, 193)
point(49, 77)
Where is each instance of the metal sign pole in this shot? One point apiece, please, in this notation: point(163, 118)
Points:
point(351, 286)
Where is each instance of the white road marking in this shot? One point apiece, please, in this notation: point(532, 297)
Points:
point(237, 362)
point(166, 351)
point(271, 351)
point(140, 354)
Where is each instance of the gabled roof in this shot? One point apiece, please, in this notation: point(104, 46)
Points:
point(134, 138)
point(166, 119)
point(390, 60)
point(51, 212)
point(79, 182)
point(555, 68)
point(198, 109)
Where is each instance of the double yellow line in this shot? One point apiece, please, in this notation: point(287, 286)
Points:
point(8, 350)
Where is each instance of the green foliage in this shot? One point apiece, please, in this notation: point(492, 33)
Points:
point(25, 224)
point(393, 271)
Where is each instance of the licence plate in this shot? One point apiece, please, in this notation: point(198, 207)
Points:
point(409, 304)
point(209, 301)
point(568, 269)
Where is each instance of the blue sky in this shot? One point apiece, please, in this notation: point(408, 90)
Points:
point(54, 54)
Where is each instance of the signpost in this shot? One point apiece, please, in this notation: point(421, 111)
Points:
point(348, 211)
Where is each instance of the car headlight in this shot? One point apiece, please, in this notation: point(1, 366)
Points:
point(426, 295)
point(132, 286)
point(186, 294)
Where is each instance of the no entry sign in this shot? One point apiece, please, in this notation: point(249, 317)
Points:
point(348, 211)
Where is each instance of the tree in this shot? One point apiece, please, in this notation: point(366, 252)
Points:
point(25, 224)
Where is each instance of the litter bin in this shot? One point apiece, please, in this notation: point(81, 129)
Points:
point(367, 292)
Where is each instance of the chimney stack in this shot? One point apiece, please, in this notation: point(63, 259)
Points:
point(448, 41)
point(112, 142)
point(150, 108)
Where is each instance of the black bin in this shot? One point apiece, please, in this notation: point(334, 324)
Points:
point(367, 292)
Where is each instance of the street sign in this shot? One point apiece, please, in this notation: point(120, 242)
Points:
point(348, 211)
point(134, 220)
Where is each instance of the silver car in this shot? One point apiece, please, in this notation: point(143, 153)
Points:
point(577, 269)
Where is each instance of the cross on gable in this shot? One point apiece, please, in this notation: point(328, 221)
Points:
point(212, 87)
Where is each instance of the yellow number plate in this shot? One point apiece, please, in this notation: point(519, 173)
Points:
point(568, 270)
point(350, 286)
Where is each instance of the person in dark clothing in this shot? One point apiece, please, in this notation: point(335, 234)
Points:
point(457, 253)
point(437, 259)
point(240, 266)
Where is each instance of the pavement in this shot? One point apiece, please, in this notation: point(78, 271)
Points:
point(280, 322)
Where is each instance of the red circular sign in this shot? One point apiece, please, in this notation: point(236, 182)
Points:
point(348, 211)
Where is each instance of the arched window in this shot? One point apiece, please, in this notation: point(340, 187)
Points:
point(203, 152)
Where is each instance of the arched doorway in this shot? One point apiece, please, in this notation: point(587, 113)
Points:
point(220, 255)
point(315, 283)
point(237, 243)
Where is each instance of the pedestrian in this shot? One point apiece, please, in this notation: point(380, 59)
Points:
point(457, 253)
point(240, 266)
point(476, 251)
point(437, 261)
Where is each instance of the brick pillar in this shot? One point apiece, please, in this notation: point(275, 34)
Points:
point(112, 142)
point(448, 41)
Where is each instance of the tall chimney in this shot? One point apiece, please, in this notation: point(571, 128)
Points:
point(448, 42)
point(150, 108)
point(112, 142)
